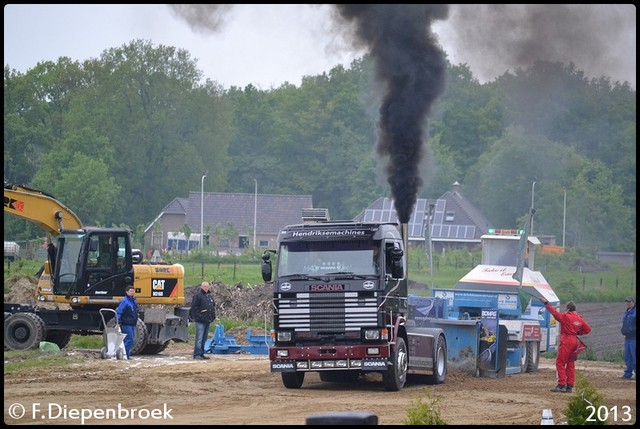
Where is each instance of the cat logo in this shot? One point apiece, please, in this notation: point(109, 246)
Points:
point(158, 284)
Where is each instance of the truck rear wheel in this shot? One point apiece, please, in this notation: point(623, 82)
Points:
point(396, 375)
point(533, 356)
point(23, 331)
point(292, 380)
point(439, 362)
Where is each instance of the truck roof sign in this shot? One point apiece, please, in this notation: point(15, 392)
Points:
point(336, 231)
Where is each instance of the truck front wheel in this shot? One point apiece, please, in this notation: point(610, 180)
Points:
point(396, 375)
point(292, 380)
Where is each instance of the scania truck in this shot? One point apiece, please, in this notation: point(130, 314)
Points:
point(341, 307)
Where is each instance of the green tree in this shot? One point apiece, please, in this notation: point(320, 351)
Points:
point(166, 127)
point(84, 182)
point(186, 229)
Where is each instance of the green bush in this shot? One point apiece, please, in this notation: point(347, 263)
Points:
point(424, 413)
point(586, 399)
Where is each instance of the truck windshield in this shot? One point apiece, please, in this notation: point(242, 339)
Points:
point(324, 258)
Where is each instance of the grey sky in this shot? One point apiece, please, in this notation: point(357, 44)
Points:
point(267, 45)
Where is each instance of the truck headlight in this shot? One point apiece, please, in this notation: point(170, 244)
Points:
point(284, 335)
point(372, 334)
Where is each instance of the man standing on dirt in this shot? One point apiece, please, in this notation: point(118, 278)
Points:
point(203, 312)
point(629, 331)
point(571, 325)
point(128, 317)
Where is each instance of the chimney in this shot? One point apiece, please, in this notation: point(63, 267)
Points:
point(455, 188)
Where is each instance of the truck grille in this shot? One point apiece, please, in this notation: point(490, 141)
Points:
point(327, 312)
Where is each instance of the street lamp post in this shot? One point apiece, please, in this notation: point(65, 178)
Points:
point(564, 216)
point(255, 214)
point(202, 209)
point(429, 244)
point(533, 193)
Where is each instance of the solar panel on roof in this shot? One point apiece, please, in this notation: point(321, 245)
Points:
point(439, 228)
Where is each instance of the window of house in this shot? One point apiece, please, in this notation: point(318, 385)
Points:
point(449, 217)
point(263, 244)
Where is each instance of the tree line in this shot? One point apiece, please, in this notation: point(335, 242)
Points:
point(118, 137)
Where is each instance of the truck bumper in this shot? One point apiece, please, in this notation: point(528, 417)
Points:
point(371, 357)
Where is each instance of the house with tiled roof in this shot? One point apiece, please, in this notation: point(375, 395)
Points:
point(454, 222)
point(235, 214)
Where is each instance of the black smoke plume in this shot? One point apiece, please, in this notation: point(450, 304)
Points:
point(411, 66)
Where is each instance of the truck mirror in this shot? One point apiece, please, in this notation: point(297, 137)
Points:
point(397, 269)
point(266, 271)
point(396, 254)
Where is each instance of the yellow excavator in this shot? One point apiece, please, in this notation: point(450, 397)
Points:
point(88, 269)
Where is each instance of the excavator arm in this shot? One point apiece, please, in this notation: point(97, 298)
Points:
point(39, 208)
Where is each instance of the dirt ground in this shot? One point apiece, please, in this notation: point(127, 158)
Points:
point(171, 388)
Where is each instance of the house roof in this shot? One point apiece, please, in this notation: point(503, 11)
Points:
point(177, 206)
point(272, 212)
point(464, 212)
point(454, 217)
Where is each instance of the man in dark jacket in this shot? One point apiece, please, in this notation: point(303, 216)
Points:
point(128, 317)
point(571, 325)
point(203, 312)
point(629, 331)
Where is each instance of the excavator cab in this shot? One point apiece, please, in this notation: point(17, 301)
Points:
point(96, 263)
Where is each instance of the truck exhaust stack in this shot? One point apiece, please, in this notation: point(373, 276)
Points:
point(404, 232)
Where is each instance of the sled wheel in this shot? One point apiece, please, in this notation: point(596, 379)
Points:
point(119, 354)
point(103, 353)
point(533, 355)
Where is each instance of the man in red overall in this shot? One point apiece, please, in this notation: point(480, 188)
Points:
point(571, 325)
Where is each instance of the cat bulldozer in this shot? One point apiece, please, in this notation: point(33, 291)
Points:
point(87, 268)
